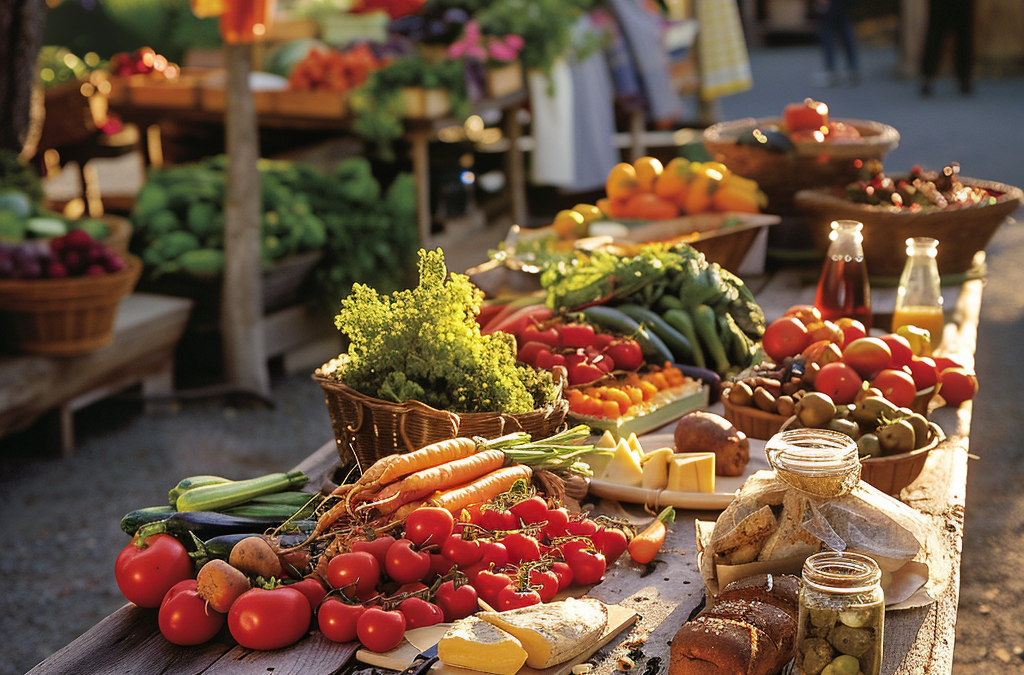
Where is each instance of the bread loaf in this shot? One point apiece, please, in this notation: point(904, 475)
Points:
point(750, 631)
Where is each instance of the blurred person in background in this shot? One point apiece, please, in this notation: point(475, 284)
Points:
point(945, 17)
point(837, 20)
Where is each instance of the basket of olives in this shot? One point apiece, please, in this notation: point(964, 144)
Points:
point(893, 442)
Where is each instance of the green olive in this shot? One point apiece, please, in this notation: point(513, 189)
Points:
point(815, 409)
point(855, 618)
point(845, 665)
point(848, 427)
point(896, 437)
point(868, 446)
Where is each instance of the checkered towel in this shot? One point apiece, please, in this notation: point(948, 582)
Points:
point(724, 64)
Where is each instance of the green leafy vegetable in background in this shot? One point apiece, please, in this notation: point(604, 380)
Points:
point(425, 344)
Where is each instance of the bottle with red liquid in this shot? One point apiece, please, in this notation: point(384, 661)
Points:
point(843, 288)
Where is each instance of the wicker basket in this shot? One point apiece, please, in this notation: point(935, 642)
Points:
point(119, 234)
point(810, 165)
point(961, 232)
point(754, 422)
point(893, 473)
point(371, 428)
point(66, 317)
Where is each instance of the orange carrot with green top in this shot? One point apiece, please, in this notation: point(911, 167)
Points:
point(481, 490)
point(646, 545)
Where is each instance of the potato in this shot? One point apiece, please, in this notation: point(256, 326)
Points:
point(764, 400)
point(701, 431)
point(254, 556)
point(220, 584)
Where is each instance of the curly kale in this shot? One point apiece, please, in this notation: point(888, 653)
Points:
point(425, 344)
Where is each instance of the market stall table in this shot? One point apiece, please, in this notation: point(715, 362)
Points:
point(664, 595)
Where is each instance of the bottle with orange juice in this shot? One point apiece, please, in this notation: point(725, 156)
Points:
point(919, 296)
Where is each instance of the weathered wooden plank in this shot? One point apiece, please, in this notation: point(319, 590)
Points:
point(314, 655)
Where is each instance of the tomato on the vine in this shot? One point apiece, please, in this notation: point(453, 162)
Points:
point(462, 552)
point(440, 565)
point(405, 564)
point(380, 630)
point(493, 552)
point(456, 603)
point(429, 525)
point(513, 597)
point(337, 620)
point(312, 589)
point(488, 584)
point(497, 519)
point(184, 618)
point(355, 572)
point(558, 520)
point(262, 619)
point(145, 574)
point(546, 583)
point(419, 613)
point(583, 527)
point(521, 547)
point(611, 542)
point(587, 567)
point(378, 547)
point(564, 574)
point(571, 548)
point(530, 511)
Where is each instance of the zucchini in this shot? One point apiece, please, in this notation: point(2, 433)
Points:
point(677, 343)
point(291, 498)
point(207, 524)
point(614, 320)
point(681, 321)
point(220, 547)
point(139, 517)
point(186, 484)
point(223, 495)
point(707, 330)
point(668, 302)
point(282, 511)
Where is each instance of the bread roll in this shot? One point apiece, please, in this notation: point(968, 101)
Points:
point(751, 631)
point(701, 431)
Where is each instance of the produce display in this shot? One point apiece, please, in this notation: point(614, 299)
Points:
point(918, 190)
point(805, 122)
point(332, 70)
point(75, 254)
point(143, 61)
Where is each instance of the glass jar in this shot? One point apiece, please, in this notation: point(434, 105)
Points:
point(842, 611)
point(820, 462)
point(843, 289)
point(919, 296)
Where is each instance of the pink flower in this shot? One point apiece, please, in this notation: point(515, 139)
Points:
point(469, 45)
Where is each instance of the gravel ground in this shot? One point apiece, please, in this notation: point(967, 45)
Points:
point(62, 542)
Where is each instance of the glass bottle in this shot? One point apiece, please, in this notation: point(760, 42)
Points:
point(842, 612)
point(919, 296)
point(843, 288)
point(820, 462)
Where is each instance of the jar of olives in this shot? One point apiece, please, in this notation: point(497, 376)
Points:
point(819, 462)
point(842, 610)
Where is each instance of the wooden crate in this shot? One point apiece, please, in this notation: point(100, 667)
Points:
point(326, 104)
point(213, 98)
point(423, 103)
point(504, 80)
point(147, 91)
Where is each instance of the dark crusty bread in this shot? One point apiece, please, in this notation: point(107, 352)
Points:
point(751, 631)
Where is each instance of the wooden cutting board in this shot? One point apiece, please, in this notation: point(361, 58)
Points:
point(402, 656)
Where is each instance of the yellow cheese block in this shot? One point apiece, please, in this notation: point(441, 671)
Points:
point(476, 644)
point(634, 445)
point(655, 469)
point(606, 441)
point(554, 632)
point(624, 467)
point(692, 472)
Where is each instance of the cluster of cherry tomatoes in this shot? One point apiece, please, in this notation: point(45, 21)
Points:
point(586, 354)
point(620, 397)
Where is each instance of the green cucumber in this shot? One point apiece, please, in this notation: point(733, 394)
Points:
point(139, 517)
point(615, 321)
point(224, 495)
point(681, 321)
point(706, 324)
point(677, 343)
point(186, 484)
point(668, 302)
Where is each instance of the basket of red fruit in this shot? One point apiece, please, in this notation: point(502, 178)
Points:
point(60, 297)
point(803, 149)
point(962, 213)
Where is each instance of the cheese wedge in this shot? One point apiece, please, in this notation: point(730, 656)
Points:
point(476, 644)
point(634, 445)
point(554, 632)
point(606, 441)
point(624, 467)
point(692, 472)
point(655, 469)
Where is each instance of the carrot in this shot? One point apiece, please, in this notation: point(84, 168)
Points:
point(646, 545)
point(482, 489)
point(441, 477)
point(426, 457)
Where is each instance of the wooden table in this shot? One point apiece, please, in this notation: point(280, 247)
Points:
point(916, 640)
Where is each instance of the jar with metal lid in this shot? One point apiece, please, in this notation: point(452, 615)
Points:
point(822, 463)
point(842, 611)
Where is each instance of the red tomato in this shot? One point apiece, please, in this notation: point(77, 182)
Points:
point(262, 619)
point(583, 373)
point(626, 353)
point(545, 582)
point(530, 511)
point(456, 603)
point(900, 348)
point(337, 620)
point(558, 520)
point(957, 385)
point(356, 573)
point(838, 381)
point(571, 548)
point(462, 552)
point(564, 574)
point(895, 385)
point(534, 334)
point(868, 356)
point(587, 567)
point(611, 542)
point(378, 547)
point(412, 587)
point(184, 618)
point(547, 360)
point(944, 362)
point(602, 340)
point(784, 337)
point(809, 115)
point(583, 527)
point(419, 613)
point(852, 329)
point(312, 589)
point(429, 525)
point(924, 371)
point(404, 564)
point(603, 362)
point(440, 565)
point(489, 583)
point(530, 353)
point(145, 575)
point(495, 519)
point(493, 552)
point(575, 335)
point(380, 630)
point(511, 597)
point(521, 547)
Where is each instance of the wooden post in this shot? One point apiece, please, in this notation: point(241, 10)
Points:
point(241, 311)
point(21, 35)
